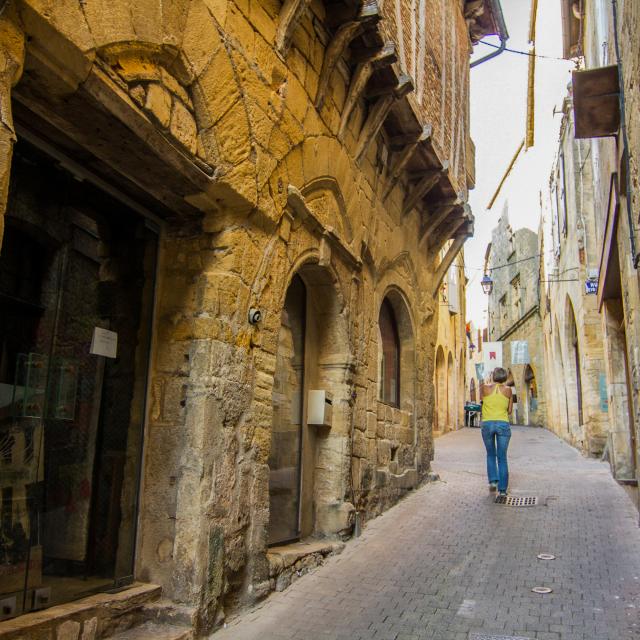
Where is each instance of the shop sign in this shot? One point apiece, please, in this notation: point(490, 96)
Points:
point(591, 286)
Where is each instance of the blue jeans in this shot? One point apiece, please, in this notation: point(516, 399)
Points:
point(496, 435)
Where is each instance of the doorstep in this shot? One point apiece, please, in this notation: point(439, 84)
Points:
point(91, 618)
point(289, 562)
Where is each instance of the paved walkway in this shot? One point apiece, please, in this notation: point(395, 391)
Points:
point(447, 562)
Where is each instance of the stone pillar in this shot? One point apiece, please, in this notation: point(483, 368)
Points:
point(11, 63)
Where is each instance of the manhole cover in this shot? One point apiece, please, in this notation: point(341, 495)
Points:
point(484, 636)
point(517, 501)
point(546, 556)
point(541, 590)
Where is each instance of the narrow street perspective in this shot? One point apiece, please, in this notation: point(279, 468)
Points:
point(319, 319)
point(448, 563)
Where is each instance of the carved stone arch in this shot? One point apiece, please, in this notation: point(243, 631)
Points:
point(404, 316)
point(324, 198)
point(403, 263)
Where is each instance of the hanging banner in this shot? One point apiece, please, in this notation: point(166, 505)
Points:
point(480, 371)
point(491, 355)
point(520, 352)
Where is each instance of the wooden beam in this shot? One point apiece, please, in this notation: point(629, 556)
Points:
point(450, 227)
point(378, 114)
point(368, 13)
point(379, 58)
point(423, 187)
point(446, 262)
point(291, 13)
point(402, 157)
point(436, 219)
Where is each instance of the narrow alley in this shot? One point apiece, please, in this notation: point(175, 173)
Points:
point(450, 564)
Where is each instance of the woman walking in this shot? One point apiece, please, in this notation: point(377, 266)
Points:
point(497, 404)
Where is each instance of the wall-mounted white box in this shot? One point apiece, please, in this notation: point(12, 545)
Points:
point(320, 407)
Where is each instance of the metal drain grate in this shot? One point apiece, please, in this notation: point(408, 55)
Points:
point(518, 501)
point(484, 636)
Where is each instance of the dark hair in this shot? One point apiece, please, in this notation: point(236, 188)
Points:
point(499, 375)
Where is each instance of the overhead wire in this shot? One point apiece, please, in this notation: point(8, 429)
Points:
point(523, 53)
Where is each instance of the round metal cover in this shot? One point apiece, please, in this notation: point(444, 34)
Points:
point(546, 556)
point(541, 590)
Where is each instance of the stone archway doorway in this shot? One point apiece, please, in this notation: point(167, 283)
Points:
point(531, 388)
point(308, 459)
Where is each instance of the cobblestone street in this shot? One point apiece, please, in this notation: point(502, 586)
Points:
point(448, 563)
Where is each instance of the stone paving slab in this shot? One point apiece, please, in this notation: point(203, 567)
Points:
point(447, 562)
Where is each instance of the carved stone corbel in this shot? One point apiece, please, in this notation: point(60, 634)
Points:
point(403, 156)
point(375, 60)
point(368, 13)
point(291, 13)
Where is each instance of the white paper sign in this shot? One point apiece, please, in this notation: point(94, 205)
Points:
point(491, 355)
point(519, 352)
point(104, 343)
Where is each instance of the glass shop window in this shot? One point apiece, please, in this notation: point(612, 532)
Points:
point(76, 293)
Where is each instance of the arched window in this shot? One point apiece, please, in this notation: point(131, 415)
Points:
point(390, 365)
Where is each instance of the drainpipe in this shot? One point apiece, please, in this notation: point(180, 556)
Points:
point(502, 34)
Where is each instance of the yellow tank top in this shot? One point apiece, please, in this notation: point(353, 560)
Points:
point(495, 406)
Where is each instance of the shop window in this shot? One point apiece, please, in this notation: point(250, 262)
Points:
point(390, 366)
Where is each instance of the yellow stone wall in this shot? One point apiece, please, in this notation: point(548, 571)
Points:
point(254, 185)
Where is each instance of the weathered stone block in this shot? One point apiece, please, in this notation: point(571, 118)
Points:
point(158, 104)
point(183, 126)
point(69, 630)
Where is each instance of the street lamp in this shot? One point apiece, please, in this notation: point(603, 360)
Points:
point(487, 283)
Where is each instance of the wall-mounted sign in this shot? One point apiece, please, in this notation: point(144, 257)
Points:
point(104, 343)
point(591, 287)
point(520, 352)
point(491, 355)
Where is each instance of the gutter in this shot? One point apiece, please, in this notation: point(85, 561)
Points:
point(503, 34)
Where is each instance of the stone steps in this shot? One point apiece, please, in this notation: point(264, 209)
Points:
point(155, 631)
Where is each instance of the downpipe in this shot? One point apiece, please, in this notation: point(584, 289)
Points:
point(502, 34)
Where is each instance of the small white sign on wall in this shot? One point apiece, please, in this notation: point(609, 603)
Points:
point(104, 343)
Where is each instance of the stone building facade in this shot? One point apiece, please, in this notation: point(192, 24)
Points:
point(225, 338)
point(574, 356)
point(450, 360)
point(606, 103)
point(514, 314)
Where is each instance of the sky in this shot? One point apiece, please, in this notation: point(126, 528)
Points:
point(498, 121)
